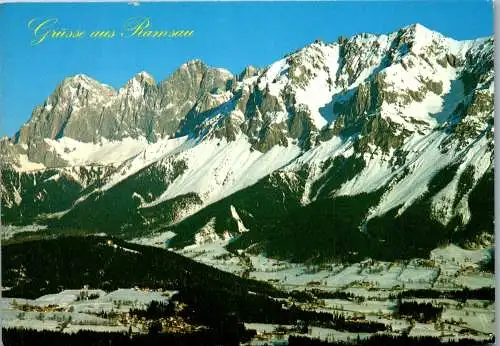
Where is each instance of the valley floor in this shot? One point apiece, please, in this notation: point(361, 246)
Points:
point(372, 286)
point(95, 310)
point(370, 291)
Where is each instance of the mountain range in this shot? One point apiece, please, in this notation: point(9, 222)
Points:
point(375, 146)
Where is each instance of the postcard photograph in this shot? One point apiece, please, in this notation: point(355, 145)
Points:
point(247, 173)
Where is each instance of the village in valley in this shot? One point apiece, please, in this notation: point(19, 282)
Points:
point(448, 296)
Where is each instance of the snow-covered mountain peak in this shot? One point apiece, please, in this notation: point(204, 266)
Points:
point(136, 86)
point(420, 32)
point(79, 78)
point(82, 81)
point(145, 77)
point(193, 64)
point(77, 92)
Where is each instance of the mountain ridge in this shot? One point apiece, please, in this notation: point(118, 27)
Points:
point(404, 119)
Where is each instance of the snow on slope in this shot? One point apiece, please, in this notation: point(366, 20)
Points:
point(25, 165)
point(314, 159)
point(433, 109)
point(319, 92)
point(424, 161)
point(369, 58)
point(406, 73)
point(275, 77)
point(479, 158)
point(236, 216)
point(148, 155)
point(316, 94)
point(218, 168)
point(129, 156)
point(78, 153)
point(412, 73)
point(425, 158)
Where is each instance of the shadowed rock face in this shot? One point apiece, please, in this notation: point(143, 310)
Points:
point(369, 117)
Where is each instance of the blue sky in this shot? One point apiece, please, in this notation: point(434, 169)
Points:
point(230, 35)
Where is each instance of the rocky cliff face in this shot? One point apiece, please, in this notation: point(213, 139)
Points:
point(391, 134)
point(88, 111)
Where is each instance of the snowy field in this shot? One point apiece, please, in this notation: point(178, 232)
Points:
point(447, 268)
point(370, 287)
point(9, 231)
point(371, 283)
point(84, 309)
